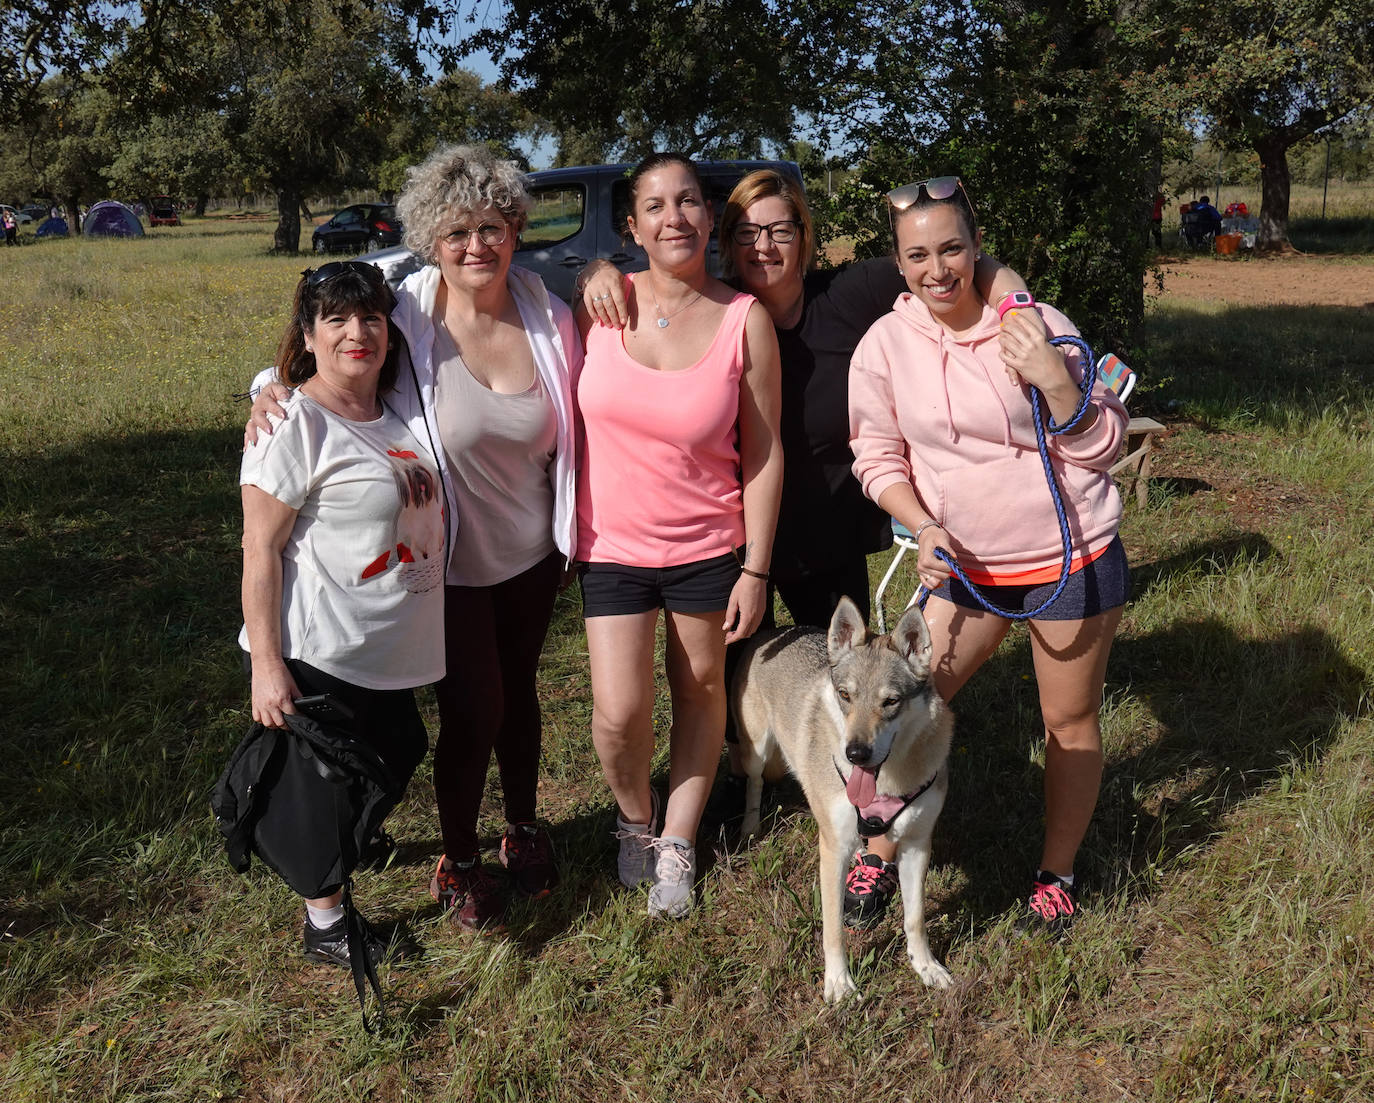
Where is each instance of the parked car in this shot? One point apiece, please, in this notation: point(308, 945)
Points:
point(361, 226)
point(578, 214)
point(162, 211)
point(34, 212)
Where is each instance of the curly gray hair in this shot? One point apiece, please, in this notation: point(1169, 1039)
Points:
point(453, 180)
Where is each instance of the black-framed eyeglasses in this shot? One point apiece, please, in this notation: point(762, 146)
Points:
point(489, 234)
point(780, 232)
point(316, 276)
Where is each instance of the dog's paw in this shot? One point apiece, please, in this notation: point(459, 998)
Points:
point(933, 973)
point(839, 988)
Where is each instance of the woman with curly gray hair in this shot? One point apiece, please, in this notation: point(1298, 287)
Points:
point(491, 358)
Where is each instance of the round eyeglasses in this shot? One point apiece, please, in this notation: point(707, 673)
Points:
point(489, 234)
point(780, 233)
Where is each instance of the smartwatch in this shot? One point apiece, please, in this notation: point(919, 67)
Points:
point(1014, 300)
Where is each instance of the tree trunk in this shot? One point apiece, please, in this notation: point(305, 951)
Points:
point(202, 201)
point(288, 236)
point(73, 205)
point(1275, 189)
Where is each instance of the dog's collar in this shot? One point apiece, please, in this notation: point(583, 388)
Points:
point(872, 826)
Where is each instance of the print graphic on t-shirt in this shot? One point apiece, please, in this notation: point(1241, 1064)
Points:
point(418, 545)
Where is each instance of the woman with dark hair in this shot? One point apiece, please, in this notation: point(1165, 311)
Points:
point(343, 544)
point(677, 500)
point(488, 380)
point(944, 439)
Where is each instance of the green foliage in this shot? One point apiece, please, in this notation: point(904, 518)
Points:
point(621, 80)
point(1037, 112)
point(1267, 74)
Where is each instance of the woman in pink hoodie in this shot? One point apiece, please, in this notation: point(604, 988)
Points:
point(944, 439)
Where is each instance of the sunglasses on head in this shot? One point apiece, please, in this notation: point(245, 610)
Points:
point(937, 187)
point(316, 276)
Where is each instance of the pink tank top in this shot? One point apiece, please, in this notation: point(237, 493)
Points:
point(659, 484)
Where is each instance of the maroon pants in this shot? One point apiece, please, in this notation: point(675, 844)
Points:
point(488, 699)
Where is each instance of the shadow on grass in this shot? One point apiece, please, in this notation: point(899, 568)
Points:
point(1265, 363)
point(121, 692)
point(1223, 716)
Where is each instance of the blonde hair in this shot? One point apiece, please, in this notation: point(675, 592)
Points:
point(453, 180)
point(765, 184)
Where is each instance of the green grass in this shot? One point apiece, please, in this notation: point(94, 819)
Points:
point(1225, 954)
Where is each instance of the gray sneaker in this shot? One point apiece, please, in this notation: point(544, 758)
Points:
point(674, 873)
point(635, 861)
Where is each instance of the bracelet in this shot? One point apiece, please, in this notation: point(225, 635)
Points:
point(754, 574)
point(925, 525)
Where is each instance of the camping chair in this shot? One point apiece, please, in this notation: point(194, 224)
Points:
point(902, 542)
point(1196, 231)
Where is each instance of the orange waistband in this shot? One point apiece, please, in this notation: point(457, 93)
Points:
point(1035, 577)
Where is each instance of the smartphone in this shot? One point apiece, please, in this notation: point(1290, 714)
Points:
point(1115, 375)
point(325, 708)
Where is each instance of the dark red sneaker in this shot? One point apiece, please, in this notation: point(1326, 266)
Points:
point(528, 854)
point(472, 897)
point(868, 890)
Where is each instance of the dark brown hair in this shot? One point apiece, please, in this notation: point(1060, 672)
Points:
point(354, 286)
point(658, 161)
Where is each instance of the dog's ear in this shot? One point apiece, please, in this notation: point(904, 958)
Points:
point(911, 639)
point(847, 628)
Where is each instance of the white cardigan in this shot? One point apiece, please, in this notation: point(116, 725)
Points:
point(557, 351)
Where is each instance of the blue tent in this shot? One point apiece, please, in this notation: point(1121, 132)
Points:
point(111, 219)
point(52, 227)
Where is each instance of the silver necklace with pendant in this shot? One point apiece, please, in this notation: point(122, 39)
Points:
point(663, 318)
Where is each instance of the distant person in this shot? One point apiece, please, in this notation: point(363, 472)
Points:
point(11, 228)
point(1209, 218)
point(1157, 220)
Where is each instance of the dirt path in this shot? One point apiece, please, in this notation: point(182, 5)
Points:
point(1290, 280)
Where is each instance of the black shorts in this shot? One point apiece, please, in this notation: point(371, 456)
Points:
point(1103, 584)
point(610, 589)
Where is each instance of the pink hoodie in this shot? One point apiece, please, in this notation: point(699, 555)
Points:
point(939, 412)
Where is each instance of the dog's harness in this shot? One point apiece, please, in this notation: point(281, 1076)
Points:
point(872, 826)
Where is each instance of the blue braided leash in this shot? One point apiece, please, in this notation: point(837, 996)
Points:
point(1086, 387)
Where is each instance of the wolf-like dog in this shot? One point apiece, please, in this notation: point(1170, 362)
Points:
point(857, 720)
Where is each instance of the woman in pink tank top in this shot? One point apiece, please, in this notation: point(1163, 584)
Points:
point(677, 502)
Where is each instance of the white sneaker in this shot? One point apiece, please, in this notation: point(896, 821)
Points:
point(675, 871)
point(635, 861)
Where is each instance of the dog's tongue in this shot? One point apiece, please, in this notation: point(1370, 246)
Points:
point(862, 786)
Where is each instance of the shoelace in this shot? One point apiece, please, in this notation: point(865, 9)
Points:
point(679, 864)
point(1050, 901)
point(522, 847)
point(864, 878)
point(476, 882)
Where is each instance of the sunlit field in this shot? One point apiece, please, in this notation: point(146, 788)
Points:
point(1224, 951)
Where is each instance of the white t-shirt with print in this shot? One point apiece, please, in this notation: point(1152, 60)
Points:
point(363, 568)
